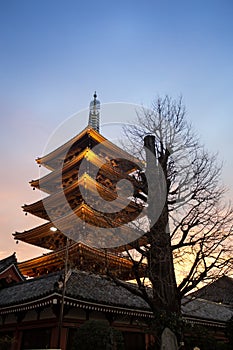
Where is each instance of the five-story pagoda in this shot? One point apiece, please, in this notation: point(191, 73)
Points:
point(88, 218)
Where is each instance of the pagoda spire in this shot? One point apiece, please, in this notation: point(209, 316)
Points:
point(94, 114)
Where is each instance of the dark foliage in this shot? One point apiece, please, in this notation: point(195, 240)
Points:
point(97, 335)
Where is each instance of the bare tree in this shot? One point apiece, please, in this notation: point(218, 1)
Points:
point(193, 231)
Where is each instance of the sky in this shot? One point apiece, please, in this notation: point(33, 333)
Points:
point(54, 54)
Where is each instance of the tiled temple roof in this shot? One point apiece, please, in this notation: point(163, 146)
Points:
point(28, 290)
point(83, 287)
point(220, 291)
point(206, 310)
point(103, 290)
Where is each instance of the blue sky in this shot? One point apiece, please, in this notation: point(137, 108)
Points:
point(54, 54)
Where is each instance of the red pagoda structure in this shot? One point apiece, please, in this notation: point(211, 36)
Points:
point(88, 164)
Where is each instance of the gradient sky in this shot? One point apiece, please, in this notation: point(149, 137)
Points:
point(54, 54)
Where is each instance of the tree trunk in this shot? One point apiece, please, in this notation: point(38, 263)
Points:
point(160, 260)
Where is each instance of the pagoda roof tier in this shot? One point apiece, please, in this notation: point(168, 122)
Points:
point(71, 149)
point(83, 257)
point(47, 236)
point(61, 203)
point(84, 216)
point(107, 170)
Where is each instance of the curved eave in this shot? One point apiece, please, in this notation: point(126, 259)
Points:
point(42, 236)
point(53, 298)
point(59, 152)
point(48, 159)
point(53, 181)
point(56, 174)
point(85, 182)
point(77, 250)
point(49, 299)
point(60, 253)
point(204, 321)
point(85, 214)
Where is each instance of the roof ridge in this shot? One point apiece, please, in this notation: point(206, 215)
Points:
point(9, 260)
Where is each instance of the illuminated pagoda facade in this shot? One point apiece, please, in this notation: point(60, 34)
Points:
point(82, 184)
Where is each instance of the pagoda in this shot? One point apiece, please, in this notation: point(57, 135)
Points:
point(88, 219)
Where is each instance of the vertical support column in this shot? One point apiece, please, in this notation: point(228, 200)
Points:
point(16, 345)
point(63, 342)
point(54, 337)
point(63, 338)
point(149, 339)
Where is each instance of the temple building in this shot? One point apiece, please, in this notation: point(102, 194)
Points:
point(87, 232)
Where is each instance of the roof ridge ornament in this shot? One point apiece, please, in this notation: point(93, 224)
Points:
point(94, 113)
